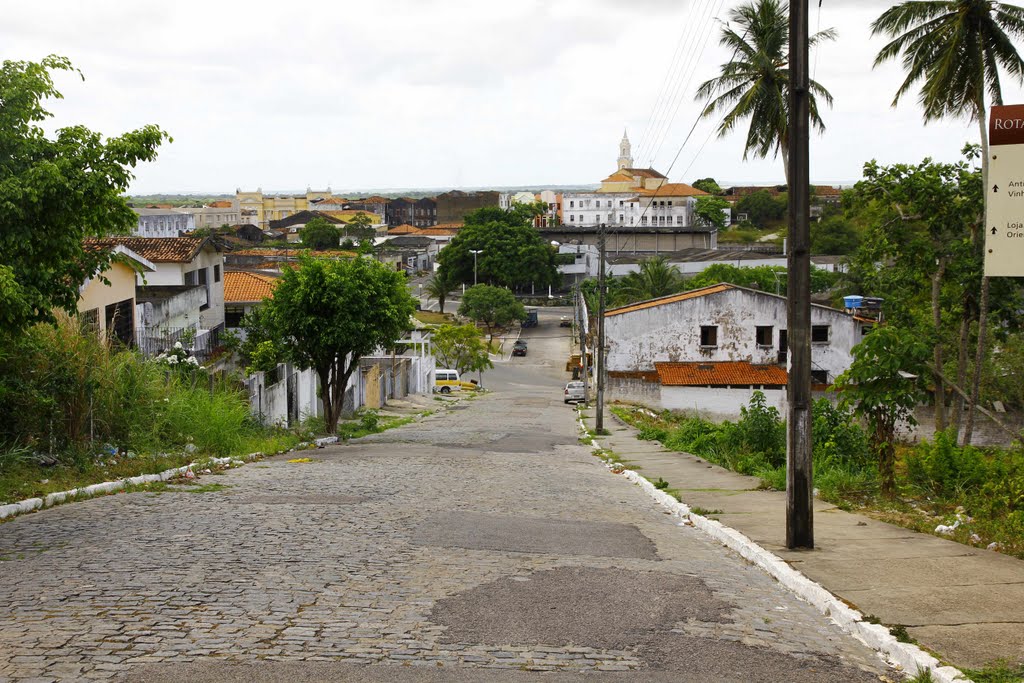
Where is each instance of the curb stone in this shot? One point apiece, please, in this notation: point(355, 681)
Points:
point(906, 656)
point(110, 486)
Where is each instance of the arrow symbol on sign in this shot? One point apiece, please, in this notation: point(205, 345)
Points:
point(995, 188)
point(993, 231)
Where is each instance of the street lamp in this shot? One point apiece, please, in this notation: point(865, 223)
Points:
point(474, 252)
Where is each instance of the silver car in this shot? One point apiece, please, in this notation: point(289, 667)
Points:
point(574, 391)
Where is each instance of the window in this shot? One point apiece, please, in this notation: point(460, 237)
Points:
point(763, 335)
point(670, 203)
point(572, 218)
point(819, 376)
point(90, 319)
point(621, 218)
point(709, 335)
point(191, 278)
point(620, 202)
point(819, 334)
point(216, 273)
point(679, 220)
point(572, 204)
point(233, 316)
point(643, 220)
point(204, 282)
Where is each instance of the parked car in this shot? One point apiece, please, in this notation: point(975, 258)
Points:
point(565, 321)
point(447, 381)
point(574, 391)
point(519, 348)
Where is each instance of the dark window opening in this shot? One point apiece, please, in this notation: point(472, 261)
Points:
point(763, 334)
point(204, 282)
point(233, 316)
point(819, 376)
point(216, 273)
point(819, 334)
point(709, 335)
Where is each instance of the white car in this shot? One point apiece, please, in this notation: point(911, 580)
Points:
point(574, 391)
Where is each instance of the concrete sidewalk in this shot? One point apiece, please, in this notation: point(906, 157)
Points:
point(964, 604)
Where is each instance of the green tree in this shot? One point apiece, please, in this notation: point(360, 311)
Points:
point(654, 279)
point(882, 388)
point(438, 287)
point(359, 227)
point(492, 307)
point(55, 192)
point(512, 252)
point(834, 234)
point(755, 83)
point(319, 233)
point(709, 185)
point(955, 48)
point(711, 210)
point(918, 250)
point(327, 314)
point(461, 347)
point(761, 208)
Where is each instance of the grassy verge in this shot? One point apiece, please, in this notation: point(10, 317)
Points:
point(977, 495)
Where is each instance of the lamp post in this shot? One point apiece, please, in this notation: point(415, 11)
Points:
point(474, 252)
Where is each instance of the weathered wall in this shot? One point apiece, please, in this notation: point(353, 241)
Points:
point(717, 404)
point(672, 332)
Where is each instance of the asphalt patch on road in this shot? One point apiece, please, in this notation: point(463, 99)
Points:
point(614, 609)
point(479, 531)
point(706, 659)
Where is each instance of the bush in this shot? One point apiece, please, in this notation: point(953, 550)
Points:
point(761, 431)
point(945, 469)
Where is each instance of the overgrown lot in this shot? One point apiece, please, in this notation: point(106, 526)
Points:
point(978, 494)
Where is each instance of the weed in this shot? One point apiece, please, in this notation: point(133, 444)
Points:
point(660, 484)
point(704, 512)
point(899, 632)
point(999, 671)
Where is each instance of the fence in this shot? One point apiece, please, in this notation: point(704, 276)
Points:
point(152, 342)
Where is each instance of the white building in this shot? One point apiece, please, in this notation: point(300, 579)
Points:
point(710, 349)
point(163, 223)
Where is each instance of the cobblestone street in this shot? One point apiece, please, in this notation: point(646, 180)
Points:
point(481, 543)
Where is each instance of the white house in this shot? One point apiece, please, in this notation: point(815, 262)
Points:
point(163, 223)
point(184, 291)
point(709, 349)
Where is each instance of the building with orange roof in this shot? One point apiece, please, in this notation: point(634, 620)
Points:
point(636, 201)
point(260, 209)
point(244, 291)
point(709, 349)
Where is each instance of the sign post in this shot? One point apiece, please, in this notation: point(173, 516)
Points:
point(1004, 196)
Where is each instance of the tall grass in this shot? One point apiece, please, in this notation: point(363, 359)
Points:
point(68, 397)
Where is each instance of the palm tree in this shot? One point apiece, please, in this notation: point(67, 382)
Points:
point(955, 48)
point(755, 82)
point(654, 279)
point(438, 288)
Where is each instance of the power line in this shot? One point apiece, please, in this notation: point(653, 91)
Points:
point(673, 77)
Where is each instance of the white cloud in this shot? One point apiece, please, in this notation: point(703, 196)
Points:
point(406, 93)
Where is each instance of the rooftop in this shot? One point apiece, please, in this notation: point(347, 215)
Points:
point(243, 287)
point(728, 373)
point(158, 249)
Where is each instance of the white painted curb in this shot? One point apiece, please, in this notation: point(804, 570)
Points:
point(907, 656)
point(111, 486)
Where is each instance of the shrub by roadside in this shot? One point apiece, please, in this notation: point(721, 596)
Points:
point(968, 494)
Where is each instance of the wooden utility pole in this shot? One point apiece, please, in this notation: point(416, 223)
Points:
point(799, 475)
point(600, 331)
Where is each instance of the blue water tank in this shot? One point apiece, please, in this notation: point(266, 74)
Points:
point(853, 301)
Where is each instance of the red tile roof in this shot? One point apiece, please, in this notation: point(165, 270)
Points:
point(158, 249)
point(220, 204)
point(730, 373)
point(674, 190)
point(671, 299)
point(404, 229)
point(242, 287)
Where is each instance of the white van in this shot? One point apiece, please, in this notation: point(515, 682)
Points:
point(447, 381)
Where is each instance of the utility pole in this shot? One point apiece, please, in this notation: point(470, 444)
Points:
point(583, 345)
point(600, 331)
point(799, 475)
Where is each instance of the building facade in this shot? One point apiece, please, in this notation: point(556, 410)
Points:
point(260, 209)
point(163, 223)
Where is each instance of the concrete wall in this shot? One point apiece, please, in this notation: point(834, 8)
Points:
point(94, 294)
point(672, 332)
point(717, 404)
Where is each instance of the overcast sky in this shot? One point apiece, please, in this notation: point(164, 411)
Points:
point(445, 93)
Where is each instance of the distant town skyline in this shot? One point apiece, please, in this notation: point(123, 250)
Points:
point(448, 93)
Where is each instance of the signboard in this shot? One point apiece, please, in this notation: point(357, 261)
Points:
point(1004, 196)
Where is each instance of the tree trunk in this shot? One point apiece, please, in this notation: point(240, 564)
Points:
point(940, 388)
point(979, 356)
point(961, 367)
point(883, 439)
point(323, 373)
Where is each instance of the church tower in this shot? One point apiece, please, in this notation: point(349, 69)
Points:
point(625, 154)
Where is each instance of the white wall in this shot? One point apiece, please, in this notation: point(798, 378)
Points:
point(672, 332)
point(716, 403)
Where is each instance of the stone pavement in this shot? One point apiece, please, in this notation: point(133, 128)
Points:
point(962, 603)
point(480, 543)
